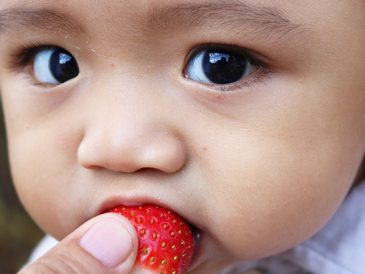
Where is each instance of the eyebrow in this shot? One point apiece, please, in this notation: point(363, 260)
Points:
point(234, 14)
point(37, 19)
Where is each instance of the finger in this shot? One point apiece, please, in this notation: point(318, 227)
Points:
point(105, 244)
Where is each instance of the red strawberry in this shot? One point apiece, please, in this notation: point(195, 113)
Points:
point(166, 243)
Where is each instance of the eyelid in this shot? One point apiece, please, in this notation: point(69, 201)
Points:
point(23, 56)
point(257, 59)
point(250, 53)
point(24, 61)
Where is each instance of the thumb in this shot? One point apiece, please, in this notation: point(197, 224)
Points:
point(105, 244)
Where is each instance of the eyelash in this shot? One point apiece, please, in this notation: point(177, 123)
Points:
point(25, 54)
point(258, 60)
point(22, 60)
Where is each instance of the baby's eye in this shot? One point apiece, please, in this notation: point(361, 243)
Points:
point(218, 66)
point(54, 66)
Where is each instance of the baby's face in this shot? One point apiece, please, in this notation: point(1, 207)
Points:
point(245, 117)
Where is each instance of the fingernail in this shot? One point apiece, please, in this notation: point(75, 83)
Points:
point(108, 241)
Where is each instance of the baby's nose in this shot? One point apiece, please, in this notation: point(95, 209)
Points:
point(129, 148)
point(129, 130)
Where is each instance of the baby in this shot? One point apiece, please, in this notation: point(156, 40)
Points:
point(246, 118)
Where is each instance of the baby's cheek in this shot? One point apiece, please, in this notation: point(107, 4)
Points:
point(42, 182)
point(50, 210)
point(271, 199)
point(42, 204)
point(262, 227)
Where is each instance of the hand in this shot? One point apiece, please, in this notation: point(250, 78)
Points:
point(105, 244)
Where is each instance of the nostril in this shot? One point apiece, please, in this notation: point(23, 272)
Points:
point(147, 151)
point(148, 171)
point(92, 167)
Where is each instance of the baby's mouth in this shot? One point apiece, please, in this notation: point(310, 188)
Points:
point(167, 242)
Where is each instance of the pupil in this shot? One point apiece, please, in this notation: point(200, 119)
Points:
point(63, 66)
point(223, 67)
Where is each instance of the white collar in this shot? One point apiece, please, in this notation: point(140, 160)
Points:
point(339, 248)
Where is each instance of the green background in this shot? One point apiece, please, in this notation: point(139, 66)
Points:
point(18, 233)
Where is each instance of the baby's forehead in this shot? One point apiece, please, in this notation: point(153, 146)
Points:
point(152, 16)
point(213, 8)
point(266, 14)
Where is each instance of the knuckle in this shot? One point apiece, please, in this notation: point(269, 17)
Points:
point(41, 266)
point(56, 263)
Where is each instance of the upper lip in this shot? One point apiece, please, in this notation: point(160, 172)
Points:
point(115, 201)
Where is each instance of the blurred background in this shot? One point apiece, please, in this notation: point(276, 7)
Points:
point(18, 233)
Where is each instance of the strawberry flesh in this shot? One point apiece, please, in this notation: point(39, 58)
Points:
point(166, 242)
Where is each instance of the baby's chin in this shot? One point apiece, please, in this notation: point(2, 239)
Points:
point(60, 229)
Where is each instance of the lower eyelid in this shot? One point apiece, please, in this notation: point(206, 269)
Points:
point(253, 61)
point(250, 82)
point(35, 60)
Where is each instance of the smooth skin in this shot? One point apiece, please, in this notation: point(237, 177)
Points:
point(259, 166)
